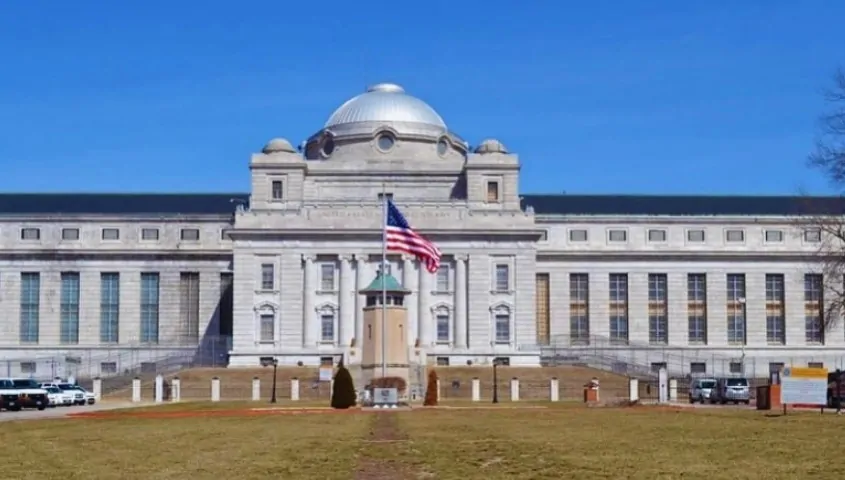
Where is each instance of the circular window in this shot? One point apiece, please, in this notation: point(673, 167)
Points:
point(442, 147)
point(328, 147)
point(385, 142)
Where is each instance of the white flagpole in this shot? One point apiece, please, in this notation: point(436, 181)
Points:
point(383, 284)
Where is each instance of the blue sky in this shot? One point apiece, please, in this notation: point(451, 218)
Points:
point(622, 97)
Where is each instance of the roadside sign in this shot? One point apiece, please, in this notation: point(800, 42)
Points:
point(805, 386)
point(326, 374)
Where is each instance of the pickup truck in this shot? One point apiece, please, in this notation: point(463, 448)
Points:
point(19, 393)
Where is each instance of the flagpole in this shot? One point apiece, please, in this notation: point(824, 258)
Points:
point(383, 276)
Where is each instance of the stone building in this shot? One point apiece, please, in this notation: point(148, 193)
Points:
point(104, 283)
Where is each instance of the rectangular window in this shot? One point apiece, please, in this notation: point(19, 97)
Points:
point(542, 320)
point(443, 326)
point(503, 328)
point(277, 190)
point(31, 233)
point(579, 308)
point(617, 236)
point(268, 276)
point(697, 308)
point(774, 236)
point(149, 234)
point(698, 367)
point(657, 366)
point(29, 368)
point(735, 367)
point(227, 303)
point(618, 308)
point(382, 196)
point(109, 307)
point(30, 306)
point(812, 235)
point(108, 368)
point(815, 364)
point(442, 284)
point(69, 308)
point(327, 327)
point(775, 311)
point(814, 308)
point(502, 278)
point(327, 277)
point(577, 235)
point(492, 192)
point(267, 332)
point(735, 236)
point(189, 234)
point(658, 309)
point(657, 235)
point(695, 236)
point(189, 307)
point(111, 234)
point(149, 307)
point(775, 367)
point(70, 234)
point(736, 308)
point(442, 361)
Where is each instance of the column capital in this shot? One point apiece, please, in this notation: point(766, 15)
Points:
point(408, 258)
point(345, 257)
point(361, 257)
point(308, 257)
point(461, 257)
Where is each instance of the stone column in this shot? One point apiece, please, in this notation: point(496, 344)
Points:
point(309, 326)
point(409, 281)
point(460, 301)
point(424, 315)
point(360, 270)
point(347, 302)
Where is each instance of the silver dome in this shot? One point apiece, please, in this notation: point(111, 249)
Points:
point(385, 103)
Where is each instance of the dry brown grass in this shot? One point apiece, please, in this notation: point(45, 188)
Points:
point(504, 443)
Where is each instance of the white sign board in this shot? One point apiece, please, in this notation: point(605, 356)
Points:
point(385, 396)
point(806, 386)
point(326, 374)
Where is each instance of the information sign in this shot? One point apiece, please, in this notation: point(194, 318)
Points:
point(385, 396)
point(805, 386)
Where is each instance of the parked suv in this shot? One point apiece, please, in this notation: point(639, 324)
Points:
point(18, 393)
point(734, 390)
point(700, 389)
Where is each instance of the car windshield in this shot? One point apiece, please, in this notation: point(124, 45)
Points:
point(737, 382)
point(53, 390)
point(708, 383)
point(25, 383)
point(66, 386)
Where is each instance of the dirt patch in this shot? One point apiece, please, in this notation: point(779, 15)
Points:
point(377, 462)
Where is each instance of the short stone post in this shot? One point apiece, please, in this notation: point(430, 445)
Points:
point(215, 389)
point(554, 390)
point(634, 390)
point(176, 390)
point(476, 390)
point(514, 389)
point(98, 389)
point(159, 388)
point(294, 389)
point(673, 389)
point(136, 390)
point(256, 389)
point(438, 390)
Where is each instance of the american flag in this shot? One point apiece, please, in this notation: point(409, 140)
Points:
point(400, 237)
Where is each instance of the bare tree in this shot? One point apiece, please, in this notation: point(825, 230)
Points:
point(825, 216)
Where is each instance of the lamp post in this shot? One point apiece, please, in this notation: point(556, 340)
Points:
point(742, 312)
point(275, 367)
point(495, 382)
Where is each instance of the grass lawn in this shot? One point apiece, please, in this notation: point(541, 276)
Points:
point(560, 442)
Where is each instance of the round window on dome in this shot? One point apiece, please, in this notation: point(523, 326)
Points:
point(385, 142)
point(328, 147)
point(442, 147)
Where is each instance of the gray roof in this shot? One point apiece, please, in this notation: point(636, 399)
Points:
point(225, 203)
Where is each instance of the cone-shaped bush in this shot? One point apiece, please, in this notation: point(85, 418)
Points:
point(431, 390)
point(343, 391)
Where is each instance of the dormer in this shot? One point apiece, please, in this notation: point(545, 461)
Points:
point(492, 177)
point(277, 176)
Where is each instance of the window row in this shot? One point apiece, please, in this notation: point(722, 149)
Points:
point(187, 330)
point(700, 368)
point(814, 317)
point(72, 234)
point(694, 235)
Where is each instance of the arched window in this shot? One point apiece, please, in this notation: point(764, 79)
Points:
point(265, 317)
point(327, 315)
point(501, 314)
point(442, 323)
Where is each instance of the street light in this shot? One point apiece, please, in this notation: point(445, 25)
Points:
point(495, 381)
point(266, 362)
point(742, 313)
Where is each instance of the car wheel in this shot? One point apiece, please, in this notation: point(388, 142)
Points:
point(41, 407)
point(747, 402)
point(691, 400)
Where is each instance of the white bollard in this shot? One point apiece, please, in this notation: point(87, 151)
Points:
point(294, 389)
point(98, 389)
point(159, 389)
point(215, 389)
point(634, 390)
point(136, 390)
point(476, 390)
point(176, 390)
point(438, 390)
point(554, 390)
point(256, 389)
point(514, 389)
point(673, 389)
